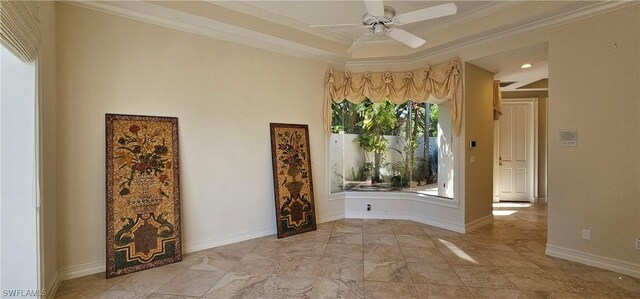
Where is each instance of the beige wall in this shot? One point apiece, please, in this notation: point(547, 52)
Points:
point(225, 95)
point(47, 81)
point(525, 94)
point(594, 89)
point(478, 122)
point(542, 147)
point(111, 64)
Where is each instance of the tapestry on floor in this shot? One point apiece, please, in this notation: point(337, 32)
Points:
point(293, 185)
point(143, 193)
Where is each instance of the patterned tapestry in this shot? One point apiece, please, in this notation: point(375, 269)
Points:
point(293, 185)
point(143, 195)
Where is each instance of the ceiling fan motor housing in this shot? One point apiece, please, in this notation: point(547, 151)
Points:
point(381, 19)
point(389, 14)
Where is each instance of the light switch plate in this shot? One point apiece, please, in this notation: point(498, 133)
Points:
point(586, 234)
point(569, 138)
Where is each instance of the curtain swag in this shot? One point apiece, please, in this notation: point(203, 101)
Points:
point(439, 83)
point(19, 29)
point(497, 100)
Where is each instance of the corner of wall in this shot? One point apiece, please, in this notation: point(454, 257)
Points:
point(52, 286)
point(47, 114)
point(478, 161)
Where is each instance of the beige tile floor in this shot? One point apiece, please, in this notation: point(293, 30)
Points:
point(354, 258)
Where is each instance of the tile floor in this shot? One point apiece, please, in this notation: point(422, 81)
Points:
point(354, 258)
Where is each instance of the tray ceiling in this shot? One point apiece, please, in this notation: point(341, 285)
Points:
point(283, 26)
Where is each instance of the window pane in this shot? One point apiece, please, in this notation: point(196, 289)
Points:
point(19, 220)
point(383, 147)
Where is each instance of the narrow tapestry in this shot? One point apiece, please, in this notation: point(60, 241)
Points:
point(293, 184)
point(143, 193)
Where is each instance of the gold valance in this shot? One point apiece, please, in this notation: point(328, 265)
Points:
point(497, 100)
point(437, 83)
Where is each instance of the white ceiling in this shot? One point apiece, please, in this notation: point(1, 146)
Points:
point(351, 12)
point(506, 65)
point(283, 26)
point(474, 21)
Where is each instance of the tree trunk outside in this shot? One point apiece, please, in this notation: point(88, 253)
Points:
point(376, 168)
point(427, 125)
point(409, 147)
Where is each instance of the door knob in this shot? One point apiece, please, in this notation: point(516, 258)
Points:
point(500, 163)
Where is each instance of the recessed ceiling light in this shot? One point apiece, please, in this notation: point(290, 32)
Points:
point(526, 65)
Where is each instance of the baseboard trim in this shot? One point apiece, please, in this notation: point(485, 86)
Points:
point(478, 223)
point(376, 215)
point(99, 266)
point(332, 217)
point(82, 270)
point(438, 223)
point(52, 288)
point(228, 239)
point(407, 216)
point(606, 263)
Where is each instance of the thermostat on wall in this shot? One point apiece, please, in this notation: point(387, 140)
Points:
point(472, 144)
point(569, 138)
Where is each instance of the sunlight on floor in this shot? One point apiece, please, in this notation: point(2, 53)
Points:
point(511, 205)
point(457, 251)
point(503, 212)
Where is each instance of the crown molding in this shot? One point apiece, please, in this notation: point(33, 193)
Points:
point(165, 17)
point(471, 16)
point(464, 18)
point(158, 15)
point(249, 9)
point(450, 51)
point(467, 17)
point(252, 10)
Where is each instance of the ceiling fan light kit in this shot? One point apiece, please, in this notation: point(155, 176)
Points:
point(383, 19)
point(378, 28)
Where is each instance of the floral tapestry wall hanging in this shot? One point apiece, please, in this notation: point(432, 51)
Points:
point(143, 193)
point(293, 184)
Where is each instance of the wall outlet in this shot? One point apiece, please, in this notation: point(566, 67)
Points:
point(638, 244)
point(586, 234)
point(368, 207)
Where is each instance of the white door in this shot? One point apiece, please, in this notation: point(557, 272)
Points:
point(515, 153)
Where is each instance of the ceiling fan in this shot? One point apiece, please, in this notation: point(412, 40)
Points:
point(383, 19)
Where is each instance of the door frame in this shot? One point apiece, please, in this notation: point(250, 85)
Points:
point(534, 164)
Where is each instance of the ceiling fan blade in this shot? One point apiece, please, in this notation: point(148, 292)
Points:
point(334, 25)
point(428, 13)
point(374, 7)
point(405, 37)
point(357, 41)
